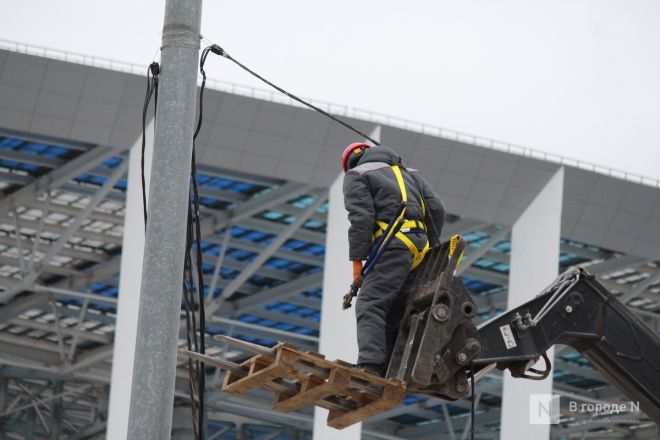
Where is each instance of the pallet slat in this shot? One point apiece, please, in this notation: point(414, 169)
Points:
point(340, 419)
point(314, 390)
point(261, 372)
point(300, 378)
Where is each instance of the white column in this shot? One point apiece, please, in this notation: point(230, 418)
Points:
point(338, 327)
point(130, 278)
point(534, 264)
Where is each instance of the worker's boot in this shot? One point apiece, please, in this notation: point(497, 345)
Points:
point(377, 369)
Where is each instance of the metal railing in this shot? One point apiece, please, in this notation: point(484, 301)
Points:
point(340, 110)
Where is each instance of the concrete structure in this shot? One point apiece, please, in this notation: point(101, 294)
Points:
point(129, 284)
point(535, 252)
point(65, 130)
point(338, 327)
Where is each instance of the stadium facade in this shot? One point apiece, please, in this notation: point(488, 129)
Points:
point(67, 126)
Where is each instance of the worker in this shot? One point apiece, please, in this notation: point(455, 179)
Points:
point(375, 184)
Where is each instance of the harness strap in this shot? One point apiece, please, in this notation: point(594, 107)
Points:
point(418, 255)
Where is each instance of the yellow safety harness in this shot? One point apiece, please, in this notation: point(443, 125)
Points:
point(406, 225)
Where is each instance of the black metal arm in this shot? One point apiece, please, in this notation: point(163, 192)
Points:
point(437, 339)
point(580, 312)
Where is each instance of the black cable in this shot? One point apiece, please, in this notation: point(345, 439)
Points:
point(202, 61)
point(189, 276)
point(195, 235)
point(195, 197)
point(191, 332)
point(191, 366)
point(155, 70)
point(220, 51)
point(147, 99)
point(200, 290)
point(152, 90)
point(199, 343)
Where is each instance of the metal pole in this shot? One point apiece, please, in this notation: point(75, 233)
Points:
point(152, 393)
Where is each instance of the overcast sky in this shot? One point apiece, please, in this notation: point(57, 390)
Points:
point(580, 78)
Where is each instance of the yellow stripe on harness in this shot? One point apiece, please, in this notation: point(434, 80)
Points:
point(453, 241)
point(418, 255)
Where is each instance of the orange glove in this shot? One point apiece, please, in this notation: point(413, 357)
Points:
point(357, 273)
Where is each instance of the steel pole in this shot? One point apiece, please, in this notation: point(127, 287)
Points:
point(152, 393)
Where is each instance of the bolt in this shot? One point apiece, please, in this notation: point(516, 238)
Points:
point(462, 358)
point(473, 345)
point(569, 309)
point(440, 312)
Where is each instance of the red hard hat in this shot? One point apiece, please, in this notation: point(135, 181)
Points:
point(349, 150)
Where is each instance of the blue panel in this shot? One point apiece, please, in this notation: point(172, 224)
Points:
point(111, 163)
point(53, 151)
point(262, 281)
point(295, 244)
point(315, 249)
point(276, 263)
point(484, 263)
point(503, 246)
point(207, 267)
point(210, 248)
point(501, 267)
point(248, 318)
point(229, 185)
point(409, 400)
point(408, 419)
point(212, 203)
point(88, 178)
point(228, 273)
point(237, 231)
point(239, 254)
point(475, 236)
point(285, 326)
point(15, 165)
point(97, 286)
point(314, 225)
point(303, 201)
point(242, 187)
point(258, 237)
point(10, 144)
point(313, 293)
point(475, 285)
point(35, 148)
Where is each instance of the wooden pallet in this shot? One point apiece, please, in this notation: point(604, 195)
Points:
point(301, 378)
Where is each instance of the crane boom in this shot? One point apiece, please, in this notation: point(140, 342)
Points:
point(438, 340)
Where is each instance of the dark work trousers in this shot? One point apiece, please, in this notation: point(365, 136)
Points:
point(381, 301)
